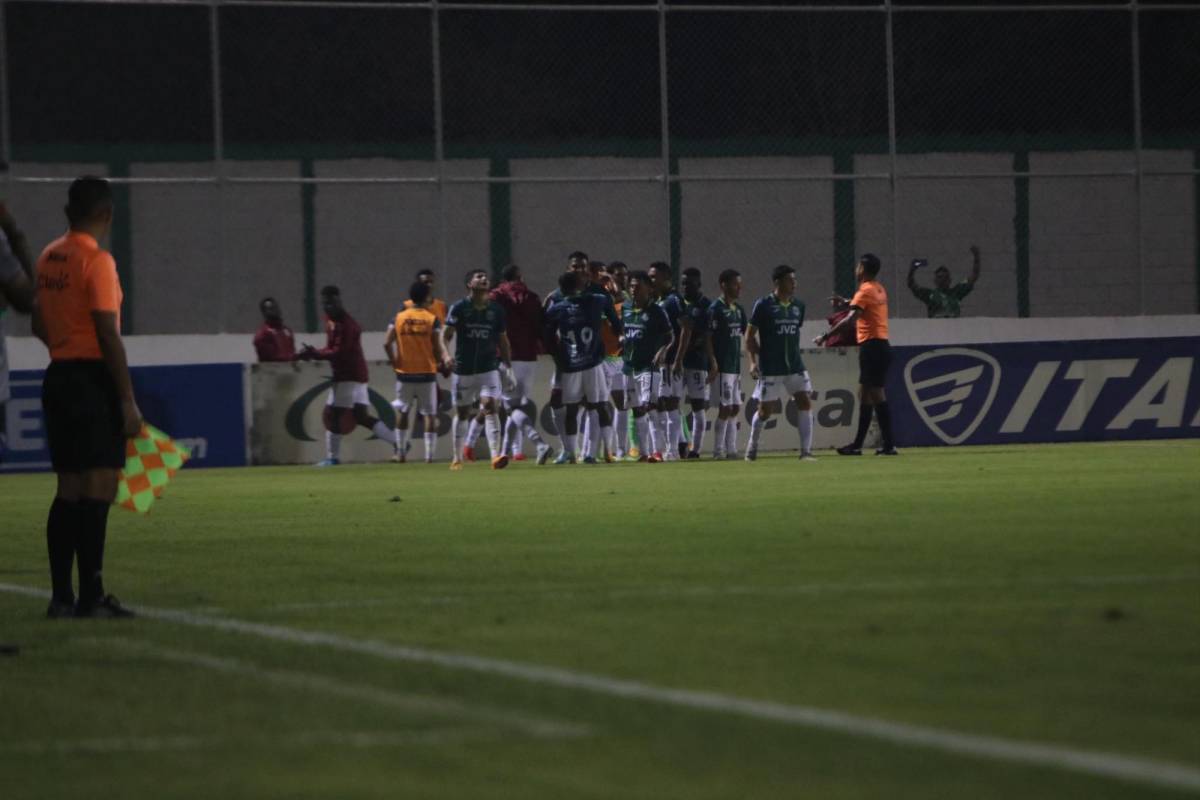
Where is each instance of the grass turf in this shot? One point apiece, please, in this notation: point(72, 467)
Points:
point(1036, 593)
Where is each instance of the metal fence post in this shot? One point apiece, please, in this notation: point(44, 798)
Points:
point(439, 143)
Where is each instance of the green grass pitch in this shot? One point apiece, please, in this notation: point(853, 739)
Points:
point(1034, 594)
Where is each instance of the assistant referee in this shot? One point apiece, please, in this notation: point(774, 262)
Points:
point(87, 397)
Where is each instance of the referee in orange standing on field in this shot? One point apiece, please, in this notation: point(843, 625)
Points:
point(869, 315)
point(87, 397)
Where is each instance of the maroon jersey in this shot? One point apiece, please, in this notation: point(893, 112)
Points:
point(843, 338)
point(275, 343)
point(523, 311)
point(343, 350)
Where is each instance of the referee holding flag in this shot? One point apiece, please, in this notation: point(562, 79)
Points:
point(87, 397)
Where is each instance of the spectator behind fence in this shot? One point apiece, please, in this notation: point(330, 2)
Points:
point(274, 340)
point(942, 301)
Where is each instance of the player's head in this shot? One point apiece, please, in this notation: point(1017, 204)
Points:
point(426, 276)
point(511, 273)
point(641, 287)
point(578, 261)
point(331, 301)
point(689, 281)
point(269, 307)
point(609, 284)
point(660, 275)
point(594, 270)
point(731, 283)
point(783, 278)
point(867, 268)
point(568, 283)
point(419, 293)
point(477, 281)
point(619, 272)
point(941, 278)
point(89, 204)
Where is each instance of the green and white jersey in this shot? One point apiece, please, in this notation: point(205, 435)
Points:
point(941, 304)
point(778, 327)
point(646, 331)
point(726, 326)
point(476, 336)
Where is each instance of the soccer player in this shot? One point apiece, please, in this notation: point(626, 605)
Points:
point(620, 275)
point(869, 315)
point(672, 382)
point(348, 397)
point(523, 312)
point(572, 331)
point(414, 347)
point(646, 340)
point(773, 344)
point(694, 358)
point(576, 262)
point(87, 397)
point(614, 370)
point(274, 341)
point(726, 326)
point(436, 305)
point(476, 368)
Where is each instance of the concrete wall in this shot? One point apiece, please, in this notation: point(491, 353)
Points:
point(203, 256)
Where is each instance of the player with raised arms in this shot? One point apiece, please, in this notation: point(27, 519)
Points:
point(646, 340)
point(726, 327)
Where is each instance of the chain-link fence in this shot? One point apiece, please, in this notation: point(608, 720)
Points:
point(269, 147)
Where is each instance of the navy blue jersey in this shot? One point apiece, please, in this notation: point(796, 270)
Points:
point(574, 323)
point(696, 356)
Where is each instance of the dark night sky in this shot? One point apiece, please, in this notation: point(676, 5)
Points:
point(142, 75)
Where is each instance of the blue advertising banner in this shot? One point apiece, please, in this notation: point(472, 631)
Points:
point(200, 405)
point(1046, 392)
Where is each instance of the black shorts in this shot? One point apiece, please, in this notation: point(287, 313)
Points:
point(874, 358)
point(83, 417)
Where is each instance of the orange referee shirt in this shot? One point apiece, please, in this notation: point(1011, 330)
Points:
point(74, 278)
point(438, 307)
point(872, 321)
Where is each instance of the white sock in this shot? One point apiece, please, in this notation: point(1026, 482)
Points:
point(719, 435)
point(806, 431)
point(656, 433)
point(430, 445)
point(731, 434)
point(622, 432)
point(383, 433)
point(333, 444)
point(401, 439)
point(642, 424)
point(510, 430)
point(525, 425)
point(493, 434)
point(472, 432)
point(756, 429)
point(588, 429)
point(674, 429)
point(559, 415)
point(454, 439)
point(699, 424)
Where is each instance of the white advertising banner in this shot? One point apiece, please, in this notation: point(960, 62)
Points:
point(287, 402)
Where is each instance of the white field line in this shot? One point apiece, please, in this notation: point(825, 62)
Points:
point(370, 695)
point(1094, 763)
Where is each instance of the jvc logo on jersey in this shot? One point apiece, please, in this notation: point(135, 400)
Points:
point(952, 390)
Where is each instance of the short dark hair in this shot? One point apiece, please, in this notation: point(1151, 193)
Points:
point(613, 265)
point(727, 275)
point(471, 273)
point(692, 272)
point(870, 263)
point(511, 273)
point(781, 272)
point(639, 275)
point(330, 291)
point(418, 292)
point(577, 254)
point(266, 300)
point(425, 271)
point(661, 266)
point(87, 197)
point(568, 282)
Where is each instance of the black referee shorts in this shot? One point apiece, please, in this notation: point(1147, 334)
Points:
point(83, 417)
point(874, 358)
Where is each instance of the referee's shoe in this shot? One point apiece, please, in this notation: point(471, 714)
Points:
point(106, 607)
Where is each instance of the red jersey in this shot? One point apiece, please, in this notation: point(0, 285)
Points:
point(275, 343)
point(343, 349)
point(523, 311)
point(846, 337)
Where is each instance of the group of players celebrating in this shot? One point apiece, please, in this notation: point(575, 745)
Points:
point(622, 341)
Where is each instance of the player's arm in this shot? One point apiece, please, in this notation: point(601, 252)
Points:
point(713, 370)
point(447, 336)
point(976, 265)
point(913, 286)
point(614, 319)
point(16, 284)
point(660, 358)
point(113, 351)
point(389, 344)
point(752, 348)
point(17, 242)
point(844, 322)
point(440, 353)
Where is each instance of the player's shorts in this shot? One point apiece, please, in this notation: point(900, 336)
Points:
point(425, 393)
point(644, 387)
point(672, 384)
point(523, 372)
point(614, 371)
point(588, 385)
point(730, 387)
point(696, 384)
point(874, 358)
point(82, 411)
point(347, 394)
point(465, 390)
point(781, 387)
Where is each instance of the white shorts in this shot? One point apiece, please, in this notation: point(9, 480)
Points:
point(348, 394)
point(781, 387)
point(523, 372)
point(465, 390)
point(425, 392)
point(696, 381)
point(644, 386)
point(589, 386)
point(730, 386)
point(555, 383)
point(672, 384)
point(614, 371)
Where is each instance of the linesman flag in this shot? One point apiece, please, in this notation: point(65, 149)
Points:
point(151, 459)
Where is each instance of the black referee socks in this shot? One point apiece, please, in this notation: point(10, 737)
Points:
point(64, 521)
point(89, 546)
point(884, 413)
point(864, 423)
